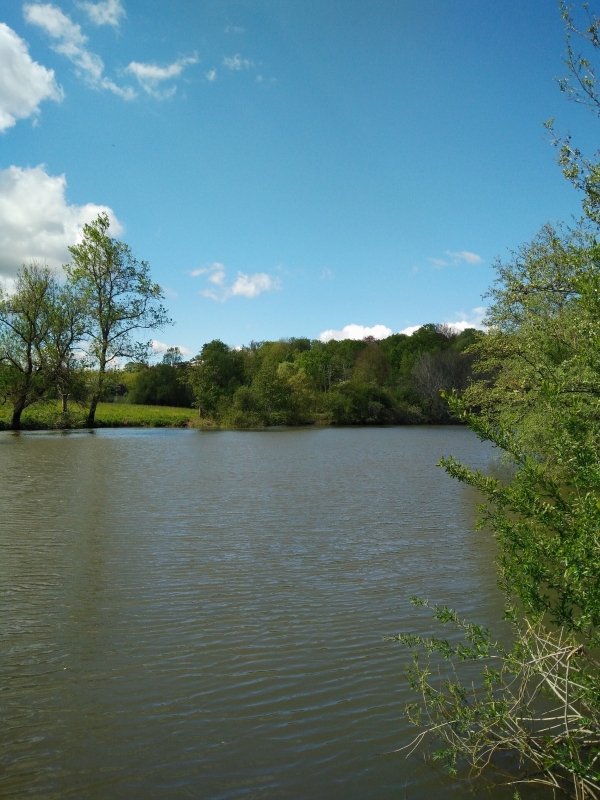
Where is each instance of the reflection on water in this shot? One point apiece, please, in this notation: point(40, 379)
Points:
point(188, 614)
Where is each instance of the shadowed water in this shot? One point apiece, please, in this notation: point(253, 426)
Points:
point(187, 614)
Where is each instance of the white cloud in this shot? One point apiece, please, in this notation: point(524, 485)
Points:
point(211, 75)
point(151, 76)
point(71, 42)
point(24, 83)
point(356, 332)
point(472, 320)
point(36, 222)
point(438, 262)
point(106, 12)
point(465, 255)
point(234, 29)
point(253, 285)
point(161, 347)
point(237, 63)
point(410, 330)
point(218, 277)
point(326, 275)
point(244, 285)
point(454, 258)
point(216, 266)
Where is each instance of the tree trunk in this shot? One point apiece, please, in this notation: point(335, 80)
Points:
point(18, 408)
point(65, 403)
point(91, 417)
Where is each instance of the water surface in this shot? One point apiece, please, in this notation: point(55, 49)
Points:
point(200, 614)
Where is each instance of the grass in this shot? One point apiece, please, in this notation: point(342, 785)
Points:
point(43, 416)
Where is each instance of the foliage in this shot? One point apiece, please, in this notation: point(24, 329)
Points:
point(160, 385)
point(537, 702)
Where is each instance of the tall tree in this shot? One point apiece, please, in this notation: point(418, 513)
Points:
point(40, 324)
point(119, 298)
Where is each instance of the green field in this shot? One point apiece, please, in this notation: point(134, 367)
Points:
point(108, 415)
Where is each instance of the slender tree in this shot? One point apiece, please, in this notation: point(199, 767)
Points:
point(119, 298)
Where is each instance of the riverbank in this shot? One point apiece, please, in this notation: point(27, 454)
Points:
point(49, 416)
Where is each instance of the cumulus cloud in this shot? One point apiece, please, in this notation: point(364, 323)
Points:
point(24, 83)
point(472, 320)
point(243, 286)
point(410, 330)
point(253, 285)
point(211, 75)
point(36, 222)
point(161, 348)
point(356, 332)
point(237, 63)
point(151, 76)
point(217, 277)
point(106, 12)
point(71, 42)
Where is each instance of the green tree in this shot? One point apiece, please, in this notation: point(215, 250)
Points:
point(40, 324)
point(273, 392)
point(119, 298)
point(213, 376)
point(543, 339)
point(161, 385)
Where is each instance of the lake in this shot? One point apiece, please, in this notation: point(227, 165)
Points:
point(200, 614)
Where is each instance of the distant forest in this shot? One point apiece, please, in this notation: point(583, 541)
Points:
point(299, 381)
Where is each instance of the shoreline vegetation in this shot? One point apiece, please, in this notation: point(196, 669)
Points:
point(50, 417)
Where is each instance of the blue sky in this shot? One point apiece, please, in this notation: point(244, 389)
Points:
point(287, 168)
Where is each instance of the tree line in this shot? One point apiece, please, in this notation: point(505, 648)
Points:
point(299, 381)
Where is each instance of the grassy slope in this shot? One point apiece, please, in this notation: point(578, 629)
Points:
point(110, 415)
